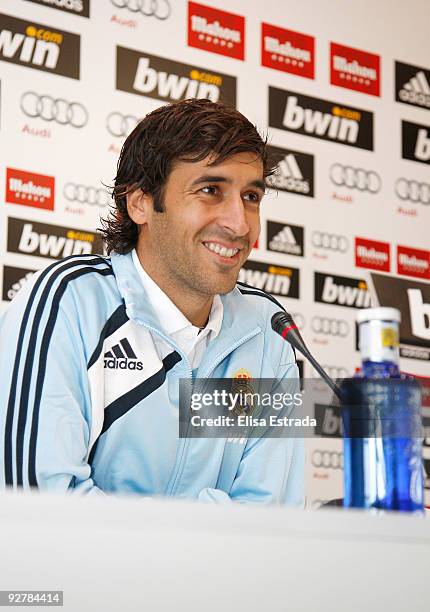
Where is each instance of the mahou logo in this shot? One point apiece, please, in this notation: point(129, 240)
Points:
point(355, 69)
point(163, 79)
point(372, 254)
point(39, 46)
point(413, 262)
point(318, 118)
point(30, 189)
point(218, 31)
point(277, 280)
point(287, 51)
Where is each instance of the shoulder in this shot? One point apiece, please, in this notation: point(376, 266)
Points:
point(79, 274)
point(265, 306)
point(76, 285)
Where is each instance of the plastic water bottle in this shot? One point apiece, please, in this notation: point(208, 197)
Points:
point(381, 411)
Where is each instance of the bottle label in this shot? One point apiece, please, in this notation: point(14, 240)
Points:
point(379, 341)
point(389, 337)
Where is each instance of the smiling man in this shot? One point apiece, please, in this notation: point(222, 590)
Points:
point(93, 349)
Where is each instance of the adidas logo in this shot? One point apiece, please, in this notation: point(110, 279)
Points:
point(122, 357)
point(289, 176)
point(285, 242)
point(416, 90)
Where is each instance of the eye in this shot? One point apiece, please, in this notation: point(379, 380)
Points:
point(210, 189)
point(253, 196)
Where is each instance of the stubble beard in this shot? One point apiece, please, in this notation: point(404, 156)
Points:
point(180, 270)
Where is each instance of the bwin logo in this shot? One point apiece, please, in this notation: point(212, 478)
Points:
point(56, 247)
point(420, 314)
point(279, 284)
point(334, 292)
point(122, 357)
point(289, 176)
point(321, 124)
point(171, 86)
point(37, 46)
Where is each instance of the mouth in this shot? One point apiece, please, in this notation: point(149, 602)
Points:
point(222, 253)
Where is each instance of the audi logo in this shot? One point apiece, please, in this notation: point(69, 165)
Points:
point(54, 109)
point(413, 191)
point(330, 327)
point(327, 459)
point(336, 371)
point(331, 242)
point(160, 9)
point(120, 125)
point(299, 320)
point(86, 195)
point(355, 178)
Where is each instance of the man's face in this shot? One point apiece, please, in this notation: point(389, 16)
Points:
point(210, 224)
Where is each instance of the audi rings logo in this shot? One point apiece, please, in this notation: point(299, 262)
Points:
point(299, 320)
point(413, 191)
point(86, 195)
point(120, 125)
point(330, 327)
point(355, 178)
point(330, 242)
point(160, 9)
point(54, 109)
point(336, 371)
point(327, 459)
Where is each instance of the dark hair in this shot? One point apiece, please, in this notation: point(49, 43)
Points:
point(188, 131)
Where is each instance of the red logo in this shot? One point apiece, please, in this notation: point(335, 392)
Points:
point(287, 51)
point(218, 31)
point(372, 254)
point(413, 262)
point(30, 189)
point(355, 69)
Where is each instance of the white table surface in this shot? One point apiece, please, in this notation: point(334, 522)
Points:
point(131, 554)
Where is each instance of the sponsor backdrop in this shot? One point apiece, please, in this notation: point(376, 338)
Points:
point(346, 220)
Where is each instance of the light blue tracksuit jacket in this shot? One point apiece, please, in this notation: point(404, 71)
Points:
point(89, 392)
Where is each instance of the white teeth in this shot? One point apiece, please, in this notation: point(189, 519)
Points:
point(221, 250)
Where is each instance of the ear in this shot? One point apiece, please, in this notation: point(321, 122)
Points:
point(139, 206)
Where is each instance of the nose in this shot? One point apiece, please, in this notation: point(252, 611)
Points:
point(234, 217)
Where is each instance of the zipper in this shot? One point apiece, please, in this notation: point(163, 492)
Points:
point(232, 348)
point(219, 359)
point(180, 460)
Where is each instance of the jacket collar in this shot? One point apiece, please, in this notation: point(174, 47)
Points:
point(240, 318)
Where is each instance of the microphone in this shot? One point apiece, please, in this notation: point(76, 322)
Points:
point(283, 324)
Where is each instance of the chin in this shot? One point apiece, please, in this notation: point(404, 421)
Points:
point(226, 287)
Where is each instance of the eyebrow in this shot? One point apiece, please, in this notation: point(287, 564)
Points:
point(210, 178)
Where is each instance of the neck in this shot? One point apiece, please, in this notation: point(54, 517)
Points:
point(194, 306)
